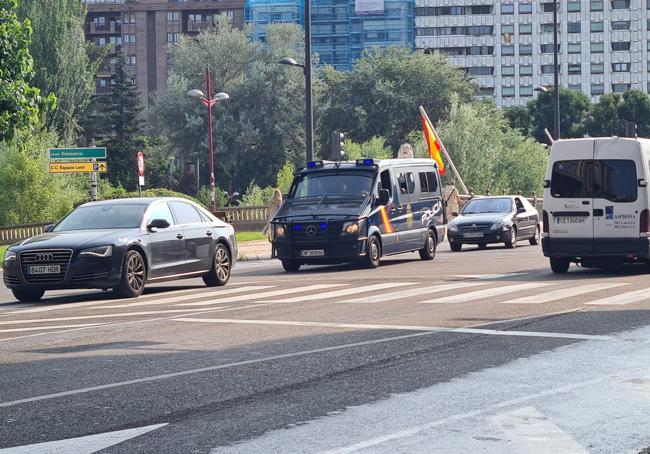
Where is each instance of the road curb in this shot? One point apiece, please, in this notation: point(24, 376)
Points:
point(254, 257)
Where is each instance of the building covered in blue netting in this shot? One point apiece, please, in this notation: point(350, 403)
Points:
point(341, 29)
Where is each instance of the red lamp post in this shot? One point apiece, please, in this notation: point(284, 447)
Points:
point(208, 100)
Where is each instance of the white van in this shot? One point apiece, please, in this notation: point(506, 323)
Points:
point(596, 202)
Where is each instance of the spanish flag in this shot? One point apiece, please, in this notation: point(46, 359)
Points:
point(433, 143)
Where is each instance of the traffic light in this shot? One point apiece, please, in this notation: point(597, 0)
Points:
point(338, 146)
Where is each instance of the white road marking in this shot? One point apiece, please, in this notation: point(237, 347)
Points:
point(83, 445)
point(531, 431)
point(89, 317)
point(344, 292)
point(562, 293)
point(42, 328)
point(270, 294)
point(412, 292)
point(487, 293)
point(176, 299)
point(487, 276)
point(488, 332)
point(183, 373)
point(622, 299)
point(471, 414)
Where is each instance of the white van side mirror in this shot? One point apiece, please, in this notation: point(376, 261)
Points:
point(643, 183)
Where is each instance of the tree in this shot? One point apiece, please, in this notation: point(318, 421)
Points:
point(373, 148)
point(519, 118)
point(574, 111)
point(381, 95)
point(61, 60)
point(124, 111)
point(20, 103)
point(260, 128)
point(604, 117)
point(636, 109)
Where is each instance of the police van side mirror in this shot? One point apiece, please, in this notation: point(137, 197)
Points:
point(384, 197)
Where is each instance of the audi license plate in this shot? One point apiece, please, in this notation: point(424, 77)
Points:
point(45, 269)
point(473, 235)
point(312, 253)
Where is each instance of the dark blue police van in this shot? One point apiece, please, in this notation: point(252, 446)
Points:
point(359, 211)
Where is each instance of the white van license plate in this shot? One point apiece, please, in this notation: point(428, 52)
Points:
point(312, 253)
point(570, 220)
point(45, 269)
point(473, 235)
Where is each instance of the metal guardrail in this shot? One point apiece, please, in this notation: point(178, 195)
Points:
point(251, 218)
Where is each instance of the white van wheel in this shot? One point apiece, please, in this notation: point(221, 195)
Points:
point(559, 266)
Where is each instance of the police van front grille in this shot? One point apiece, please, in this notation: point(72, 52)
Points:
point(316, 231)
point(45, 257)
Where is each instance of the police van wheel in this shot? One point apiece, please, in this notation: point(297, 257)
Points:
point(456, 247)
point(428, 252)
point(373, 253)
point(290, 265)
point(559, 266)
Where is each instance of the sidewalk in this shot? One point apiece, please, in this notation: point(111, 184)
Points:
point(254, 250)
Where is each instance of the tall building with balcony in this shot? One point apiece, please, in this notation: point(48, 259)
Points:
point(507, 46)
point(341, 29)
point(145, 30)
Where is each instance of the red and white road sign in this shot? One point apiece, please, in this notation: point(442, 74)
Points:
point(140, 155)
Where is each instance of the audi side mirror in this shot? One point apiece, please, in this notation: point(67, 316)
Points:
point(384, 197)
point(157, 224)
point(49, 228)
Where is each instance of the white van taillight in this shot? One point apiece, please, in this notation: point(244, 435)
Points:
point(545, 222)
point(644, 231)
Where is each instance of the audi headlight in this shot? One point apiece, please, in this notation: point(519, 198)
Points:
point(101, 251)
point(10, 256)
point(280, 231)
point(452, 227)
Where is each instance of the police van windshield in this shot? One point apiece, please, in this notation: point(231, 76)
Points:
point(332, 184)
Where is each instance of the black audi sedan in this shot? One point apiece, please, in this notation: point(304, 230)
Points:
point(498, 219)
point(123, 244)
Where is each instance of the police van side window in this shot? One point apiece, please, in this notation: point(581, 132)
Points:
point(410, 182)
point(385, 182)
point(401, 182)
point(431, 183)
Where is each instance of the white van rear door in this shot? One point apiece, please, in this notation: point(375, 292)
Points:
point(570, 204)
point(617, 201)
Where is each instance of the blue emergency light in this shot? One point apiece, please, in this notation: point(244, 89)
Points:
point(323, 226)
point(314, 164)
point(297, 227)
point(365, 162)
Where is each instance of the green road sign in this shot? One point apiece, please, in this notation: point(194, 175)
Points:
point(77, 153)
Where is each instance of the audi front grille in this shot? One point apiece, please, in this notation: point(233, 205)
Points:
point(45, 257)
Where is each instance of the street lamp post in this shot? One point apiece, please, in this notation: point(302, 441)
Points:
point(208, 100)
point(309, 111)
point(556, 82)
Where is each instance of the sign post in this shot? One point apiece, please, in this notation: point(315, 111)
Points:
point(67, 160)
point(140, 157)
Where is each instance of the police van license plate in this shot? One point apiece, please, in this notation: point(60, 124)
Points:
point(45, 269)
point(473, 235)
point(312, 253)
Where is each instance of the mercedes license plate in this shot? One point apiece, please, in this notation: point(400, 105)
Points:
point(473, 235)
point(312, 253)
point(45, 269)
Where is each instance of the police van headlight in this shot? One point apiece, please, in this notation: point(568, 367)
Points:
point(353, 227)
point(280, 231)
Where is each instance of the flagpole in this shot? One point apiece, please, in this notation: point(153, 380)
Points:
point(444, 152)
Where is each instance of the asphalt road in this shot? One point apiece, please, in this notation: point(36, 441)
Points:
point(478, 351)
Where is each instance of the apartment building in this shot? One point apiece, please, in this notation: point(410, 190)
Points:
point(341, 29)
point(145, 29)
point(507, 46)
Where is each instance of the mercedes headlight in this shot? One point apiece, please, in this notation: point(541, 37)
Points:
point(101, 251)
point(10, 256)
point(353, 227)
point(280, 231)
point(452, 227)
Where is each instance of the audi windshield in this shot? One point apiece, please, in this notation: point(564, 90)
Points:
point(104, 216)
